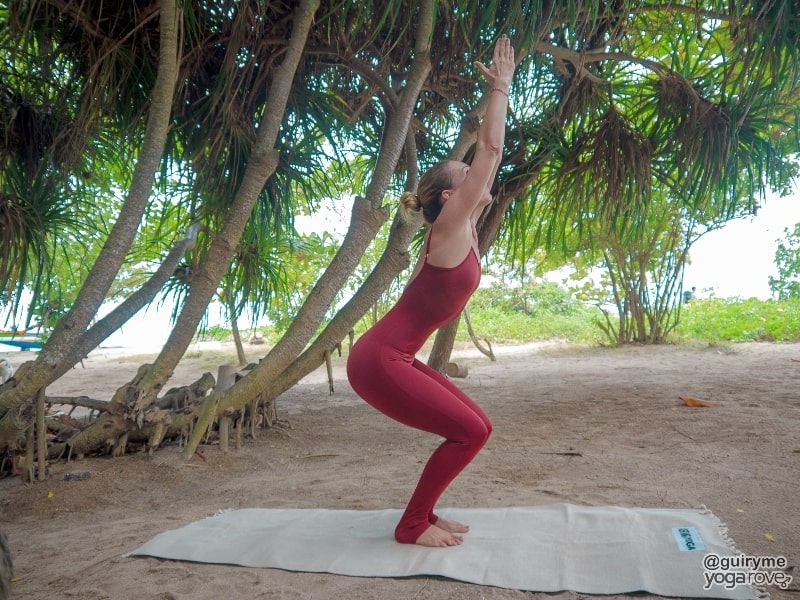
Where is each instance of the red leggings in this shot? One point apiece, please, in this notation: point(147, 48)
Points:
point(416, 395)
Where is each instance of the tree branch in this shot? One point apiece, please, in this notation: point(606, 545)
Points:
point(695, 11)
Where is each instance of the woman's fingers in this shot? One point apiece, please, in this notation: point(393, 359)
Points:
point(504, 55)
point(483, 69)
point(502, 61)
point(503, 51)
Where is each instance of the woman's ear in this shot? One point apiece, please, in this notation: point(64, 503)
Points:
point(446, 195)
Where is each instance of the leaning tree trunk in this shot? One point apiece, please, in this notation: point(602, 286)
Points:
point(141, 393)
point(105, 269)
point(94, 336)
point(490, 221)
point(237, 335)
point(394, 259)
point(57, 353)
point(365, 223)
point(145, 294)
point(488, 228)
point(321, 296)
point(262, 164)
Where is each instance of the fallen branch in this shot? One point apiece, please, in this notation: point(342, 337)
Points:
point(82, 401)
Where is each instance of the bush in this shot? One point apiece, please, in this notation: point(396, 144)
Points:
point(216, 333)
point(738, 320)
point(547, 311)
point(498, 314)
point(536, 312)
point(541, 298)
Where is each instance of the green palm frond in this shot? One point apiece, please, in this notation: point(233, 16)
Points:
point(33, 218)
point(609, 173)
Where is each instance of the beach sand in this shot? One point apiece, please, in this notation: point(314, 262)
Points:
point(592, 426)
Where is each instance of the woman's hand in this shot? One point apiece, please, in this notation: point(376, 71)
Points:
point(502, 69)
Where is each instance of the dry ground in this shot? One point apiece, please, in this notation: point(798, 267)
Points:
point(586, 426)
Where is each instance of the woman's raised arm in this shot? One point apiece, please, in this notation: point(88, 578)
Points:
point(491, 136)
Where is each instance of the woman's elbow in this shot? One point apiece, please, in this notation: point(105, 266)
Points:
point(490, 147)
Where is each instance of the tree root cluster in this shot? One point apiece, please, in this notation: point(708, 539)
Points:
point(73, 425)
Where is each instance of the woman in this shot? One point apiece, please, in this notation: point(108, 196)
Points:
point(382, 367)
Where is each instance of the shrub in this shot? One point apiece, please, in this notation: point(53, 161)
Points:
point(739, 320)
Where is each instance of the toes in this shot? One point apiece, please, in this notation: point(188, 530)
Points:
point(437, 537)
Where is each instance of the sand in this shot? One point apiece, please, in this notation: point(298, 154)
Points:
point(591, 426)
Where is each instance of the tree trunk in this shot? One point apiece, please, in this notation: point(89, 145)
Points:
point(41, 436)
point(443, 345)
point(56, 354)
point(99, 280)
point(262, 165)
point(9, 427)
point(364, 225)
point(135, 398)
point(488, 228)
point(319, 299)
point(237, 336)
point(394, 259)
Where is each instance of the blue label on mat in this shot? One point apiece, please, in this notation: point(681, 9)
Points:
point(688, 539)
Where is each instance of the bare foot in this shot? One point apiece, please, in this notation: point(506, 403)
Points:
point(434, 537)
point(451, 526)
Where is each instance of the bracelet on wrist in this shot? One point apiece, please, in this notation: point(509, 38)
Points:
point(505, 93)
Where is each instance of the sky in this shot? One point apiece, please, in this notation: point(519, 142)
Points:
point(737, 260)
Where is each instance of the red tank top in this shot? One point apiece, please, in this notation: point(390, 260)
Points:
point(436, 296)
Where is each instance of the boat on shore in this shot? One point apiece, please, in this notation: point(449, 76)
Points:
point(23, 339)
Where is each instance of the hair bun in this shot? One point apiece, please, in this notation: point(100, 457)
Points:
point(409, 201)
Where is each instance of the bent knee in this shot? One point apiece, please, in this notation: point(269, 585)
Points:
point(487, 431)
point(478, 435)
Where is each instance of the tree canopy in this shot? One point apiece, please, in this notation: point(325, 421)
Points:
point(180, 138)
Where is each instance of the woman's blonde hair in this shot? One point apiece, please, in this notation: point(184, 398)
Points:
point(428, 198)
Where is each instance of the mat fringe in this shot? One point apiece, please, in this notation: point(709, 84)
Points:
point(760, 592)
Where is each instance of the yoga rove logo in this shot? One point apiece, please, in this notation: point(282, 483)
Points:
point(743, 570)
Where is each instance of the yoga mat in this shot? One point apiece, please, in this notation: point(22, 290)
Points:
point(551, 548)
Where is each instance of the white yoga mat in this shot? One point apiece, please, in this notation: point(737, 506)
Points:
point(592, 550)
